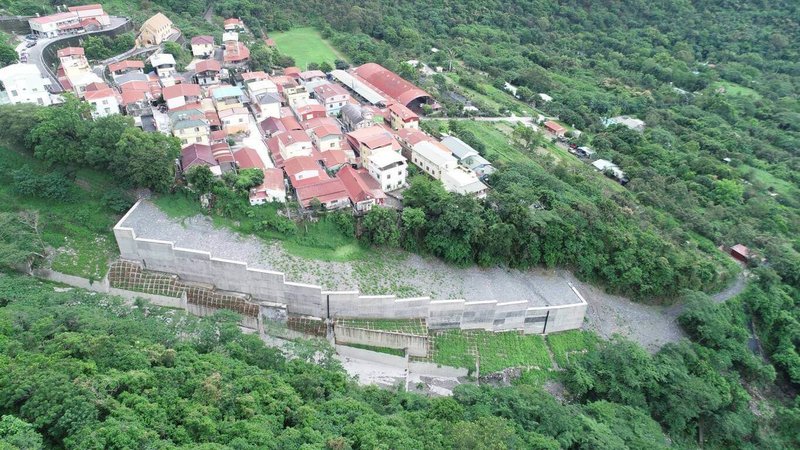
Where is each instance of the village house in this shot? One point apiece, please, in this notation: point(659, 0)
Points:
point(325, 135)
point(363, 191)
point(164, 65)
point(271, 126)
point(203, 46)
point(266, 105)
point(461, 180)
point(294, 94)
point(408, 138)
point(554, 128)
point(610, 169)
point(432, 158)
point(331, 194)
point(190, 126)
point(74, 72)
point(75, 20)
point(355, 117)
point(740, 253)
point(402, 117)
point(222, 154)
point(236, 55)
point(199, 155)
point(308, 109)
point(393, 86)
point(207, 72)
point(124, 67)
point(181, 94)
point(155, 31)
point(23, 83)
point(332, 160)
point(389, 168)
point(468, 156)
point(226, 97)
point(233, 24)
point(289, 144)
point(627, 121)
point(309, 76)
point(303, 171)
point(272, 189)
point(103, 100)
point(366, 141)
point(333, 97)
point(235, 120)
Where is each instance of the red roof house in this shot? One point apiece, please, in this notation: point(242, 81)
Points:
point(554, 128)
point(740, 252)
point(331, 193)
point(363, 190)
point(197, 155)
point(393, 85)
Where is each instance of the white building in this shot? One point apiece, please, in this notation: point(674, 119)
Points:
point(23, 83)
point(432, 159)
point(463, 181)
point(389, 168)
point(76, 19)
point(104, 102)
point(164, 64)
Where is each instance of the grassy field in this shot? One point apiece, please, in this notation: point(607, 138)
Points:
point(79, 230)
point(780, 186)
point(497, 351)
point(736, 89)
point(305, 45)
point(570, 344)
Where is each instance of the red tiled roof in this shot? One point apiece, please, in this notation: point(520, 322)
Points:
point(213, 119)
point(85, 23)
point(310, 124)
point(329, 90)
point(222, 152)
point(550, 125)
point(333, 158)
point(741, 249)
point(291, 71)
point(136, 85)
point(181, 90)
point(324, 191)
point(390, 83)
point(208, 65)
point(95, 86)
point(236, 52)
point(85, 7)
point(247, 158)
point(70, 51)
point(124, 65)
point(130, 96)
point(257, 75)
point(273, 179)
point(405, 114)
point(201, 40)
point(232, 21)
point(292, 137)
point(294, 166)
point(311, 109)
point(326, 130)
point(99, 93)
point(54, 17)
point(219, 136)
point(373, 137)
point(413, 136)
point(309, 74)
point(197, 154)
point(360, 185)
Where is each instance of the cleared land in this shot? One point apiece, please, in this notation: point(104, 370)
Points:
point(305, 45)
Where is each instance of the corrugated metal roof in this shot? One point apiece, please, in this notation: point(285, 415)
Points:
point(358, 86)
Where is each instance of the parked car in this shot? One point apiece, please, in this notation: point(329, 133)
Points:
point(30, 44)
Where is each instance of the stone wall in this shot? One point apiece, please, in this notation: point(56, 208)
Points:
point(261, 286)
point(414, 345)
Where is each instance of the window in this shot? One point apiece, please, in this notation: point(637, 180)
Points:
point(13, 93)
point(198, 139)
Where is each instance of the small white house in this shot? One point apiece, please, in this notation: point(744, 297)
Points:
point(104, 102)
point(389, 168)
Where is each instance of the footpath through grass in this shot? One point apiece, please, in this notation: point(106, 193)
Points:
point(79, 229)
point(305, 45)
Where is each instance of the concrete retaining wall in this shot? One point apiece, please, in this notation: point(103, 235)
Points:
point(309, 300)
point(414, 345)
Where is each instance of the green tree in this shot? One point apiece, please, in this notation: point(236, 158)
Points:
point(59, 133)
point(380, 227)
point(18, 434)
point(200, 179)
point(146, 159)
point(21, 245)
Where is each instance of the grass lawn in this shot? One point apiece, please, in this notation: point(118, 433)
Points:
point(780, 186)
point(736, 89)
point(305, 45)
point(79, 230)
point(498, 145)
